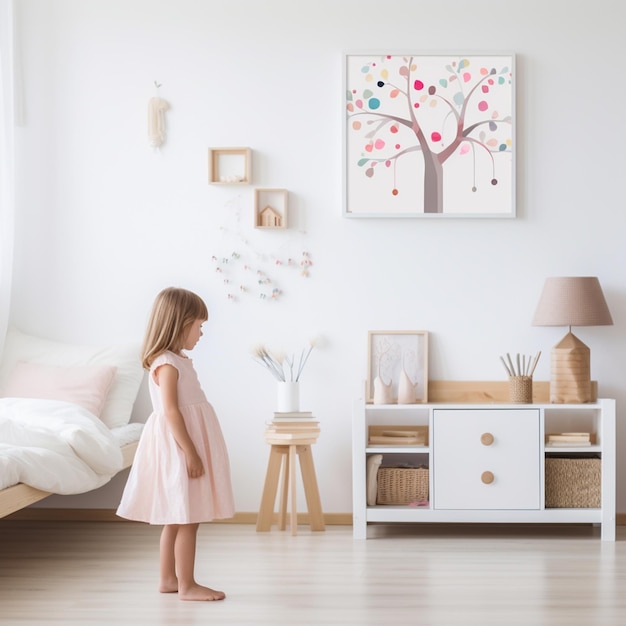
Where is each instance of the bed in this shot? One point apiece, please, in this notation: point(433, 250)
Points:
point(65, 417)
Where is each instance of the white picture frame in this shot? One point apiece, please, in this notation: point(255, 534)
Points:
point(429, 135)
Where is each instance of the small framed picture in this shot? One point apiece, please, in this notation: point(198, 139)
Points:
point(397, 367)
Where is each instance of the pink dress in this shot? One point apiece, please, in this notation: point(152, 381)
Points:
point(158, 490)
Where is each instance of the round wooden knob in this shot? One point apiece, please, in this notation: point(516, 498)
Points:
point(486, 439)
point(487, 477)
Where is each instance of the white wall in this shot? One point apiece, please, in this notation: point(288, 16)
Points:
point(104, 222)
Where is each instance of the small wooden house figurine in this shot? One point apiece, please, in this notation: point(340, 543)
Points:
point(269, 218)
point(270, 208)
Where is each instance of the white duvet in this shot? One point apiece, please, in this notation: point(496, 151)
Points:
point(55, 446)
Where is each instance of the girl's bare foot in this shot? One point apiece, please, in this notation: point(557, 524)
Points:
point(198, 592)
point(168, 586)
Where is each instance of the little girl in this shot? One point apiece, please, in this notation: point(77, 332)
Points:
point(181, 475)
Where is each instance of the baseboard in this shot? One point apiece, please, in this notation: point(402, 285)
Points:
point(109, 515)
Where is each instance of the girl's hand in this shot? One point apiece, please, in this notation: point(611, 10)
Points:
point(195, 469)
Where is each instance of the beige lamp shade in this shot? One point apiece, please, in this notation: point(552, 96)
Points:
point(571, 301)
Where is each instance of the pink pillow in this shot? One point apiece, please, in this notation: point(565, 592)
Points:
point(87, 385)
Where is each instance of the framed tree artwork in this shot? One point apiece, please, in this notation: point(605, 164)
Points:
point(397, 362)
point(429, 135)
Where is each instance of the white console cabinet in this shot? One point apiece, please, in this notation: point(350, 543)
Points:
point(486, 461)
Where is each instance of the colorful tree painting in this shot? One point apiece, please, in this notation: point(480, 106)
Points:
point(430, 135)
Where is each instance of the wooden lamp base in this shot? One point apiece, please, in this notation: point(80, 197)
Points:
point(570, 372)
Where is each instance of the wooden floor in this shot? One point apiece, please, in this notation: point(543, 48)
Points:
point(106, 573)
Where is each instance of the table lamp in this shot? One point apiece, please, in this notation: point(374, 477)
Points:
point(571, 301)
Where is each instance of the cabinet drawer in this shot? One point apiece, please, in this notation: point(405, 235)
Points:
point(486, 459)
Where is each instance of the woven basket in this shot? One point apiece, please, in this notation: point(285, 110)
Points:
point(573, 483)
point(402, 485)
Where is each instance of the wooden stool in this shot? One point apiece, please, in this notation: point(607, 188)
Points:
point(285, 447)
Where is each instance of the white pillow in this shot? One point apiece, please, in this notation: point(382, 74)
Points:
point(118, 407)
point(373, 463)
point(87, 385)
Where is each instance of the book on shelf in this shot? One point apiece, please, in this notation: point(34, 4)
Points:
point(567, 444)
point(293, 415)
point(571, 439)
point(398, 438)
point(379, 440)
point(289, 425)
point(397, 435)
point(273, 429)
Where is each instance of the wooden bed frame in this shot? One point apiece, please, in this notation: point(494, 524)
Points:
point(20, 496)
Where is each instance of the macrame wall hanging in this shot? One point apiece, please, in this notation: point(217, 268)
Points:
point(157, 107)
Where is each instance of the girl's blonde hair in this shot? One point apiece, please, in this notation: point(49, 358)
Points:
point(174, 310)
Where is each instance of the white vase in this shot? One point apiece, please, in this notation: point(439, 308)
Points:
point(288, 397)
point(407, 389)
point(383, 393)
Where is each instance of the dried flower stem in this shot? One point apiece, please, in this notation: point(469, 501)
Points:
point(303, 359)
point(282, 367)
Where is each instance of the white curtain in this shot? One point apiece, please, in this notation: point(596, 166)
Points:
point(7, 159)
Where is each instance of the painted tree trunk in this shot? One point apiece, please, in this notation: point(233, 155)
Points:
point(433, 184)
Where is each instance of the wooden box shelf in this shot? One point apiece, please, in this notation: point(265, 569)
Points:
point(230, 166)
point(271, 208)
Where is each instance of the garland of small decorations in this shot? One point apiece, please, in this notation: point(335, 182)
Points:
point(247, 272)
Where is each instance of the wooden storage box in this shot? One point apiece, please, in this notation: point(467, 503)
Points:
point(402, 485)
point(573, 483)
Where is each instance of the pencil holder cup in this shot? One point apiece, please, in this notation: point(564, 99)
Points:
point(521, 389)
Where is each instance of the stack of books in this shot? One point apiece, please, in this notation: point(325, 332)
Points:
point(569, 440)
point(290, 427)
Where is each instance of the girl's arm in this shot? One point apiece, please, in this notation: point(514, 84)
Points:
point(167, 379)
